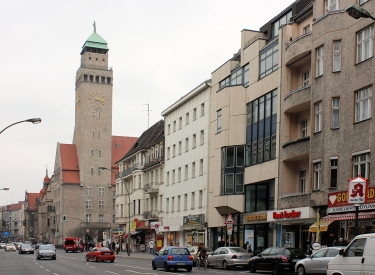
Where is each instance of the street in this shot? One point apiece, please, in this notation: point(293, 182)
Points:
point(12, 263)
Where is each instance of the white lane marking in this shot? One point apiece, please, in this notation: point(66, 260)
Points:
point(48, 270)
point(113, 272)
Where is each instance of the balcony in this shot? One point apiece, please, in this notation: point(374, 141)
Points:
point(151, 188)
point(298, 100)
point(296, 150)
point(137, 166)
point(298, 48)
point(151, 215)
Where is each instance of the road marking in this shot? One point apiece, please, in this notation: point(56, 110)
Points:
point(48, 270)
point(112, 272)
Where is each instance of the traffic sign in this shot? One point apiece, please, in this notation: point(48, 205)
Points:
point(121, 233)
point(6, 234)
point(229, 219)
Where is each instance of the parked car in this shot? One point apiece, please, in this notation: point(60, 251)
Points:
point(2, 245)
point(277, 259)
point(229, 256)
point(194, 250)
point(44, 252)
point(173, 257)
point(100, 254)
point(356, 259)
point(10, 247)
point(26, 248)
point(317, 262)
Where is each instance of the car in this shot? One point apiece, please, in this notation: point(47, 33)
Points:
point(229, 256)
point(100, 254)
point(276, 259)
point(194, 250)
point(26, 248)
point(317, 262)
point(44, 252)
point(2, 245)
point(18, 245)
point(10, 247)
point(172, 257)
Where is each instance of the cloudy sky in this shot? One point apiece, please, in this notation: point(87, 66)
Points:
point(159, 51)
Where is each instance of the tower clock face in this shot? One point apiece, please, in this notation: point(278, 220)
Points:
point(97, 99)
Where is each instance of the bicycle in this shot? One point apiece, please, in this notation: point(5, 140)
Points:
point(203, 263)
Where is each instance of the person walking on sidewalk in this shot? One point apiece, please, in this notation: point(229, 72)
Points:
point(151, 244)
point(117, 247)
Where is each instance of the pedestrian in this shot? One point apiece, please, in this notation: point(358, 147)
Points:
point(151, 244)
point(245, 245)
point(340, 242)
point(249, 249)
point(113, 245)
point(117, 247)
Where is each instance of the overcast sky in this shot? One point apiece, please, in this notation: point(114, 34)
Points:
point(159, 51)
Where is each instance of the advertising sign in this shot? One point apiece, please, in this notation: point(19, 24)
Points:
point(357, 190)
point(133, 226)
point(249, 237)
point(338, 199)
point(193, 220)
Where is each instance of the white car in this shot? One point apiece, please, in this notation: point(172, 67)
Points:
point(2, 245)
point(10, 247)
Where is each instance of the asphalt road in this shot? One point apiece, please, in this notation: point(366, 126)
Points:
point(12, 263)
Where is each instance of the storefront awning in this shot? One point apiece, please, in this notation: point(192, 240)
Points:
point(323, 226)
point(131, 234)
point(349, 216)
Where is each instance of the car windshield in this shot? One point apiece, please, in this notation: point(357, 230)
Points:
point(45, 247)
point(180, 251)
point(237, 250)
point(26, 246)
point(294, 252)
point(69, 242)
point(105, 249)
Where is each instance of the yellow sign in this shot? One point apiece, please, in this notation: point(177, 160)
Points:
point(256, 217)
point(133, 226)
point(121, 233)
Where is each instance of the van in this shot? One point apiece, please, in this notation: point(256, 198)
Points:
point(73, 244)
point(358, 258)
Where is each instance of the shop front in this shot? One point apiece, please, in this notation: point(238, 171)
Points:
point(194, 230)
point(292, 226)
point(257, 231)
point(171, 234)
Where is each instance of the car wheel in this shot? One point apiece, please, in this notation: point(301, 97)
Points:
point(252, 268)
point(166, 267)
point(66, 251)
point(95, 259)
point(112, 261)
point(275, 269)
point(300, 270)
point(225, 265)
point(87, 259)
point(54, 259)
point(153, 265)
point(188, 269)
point(245, 267)
point(37, 258)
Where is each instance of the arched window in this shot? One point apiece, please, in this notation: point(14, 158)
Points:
point(92, 171)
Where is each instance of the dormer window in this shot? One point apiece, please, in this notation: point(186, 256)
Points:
point(282, 21)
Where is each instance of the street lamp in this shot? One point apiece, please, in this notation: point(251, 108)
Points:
point(32, 120)
point(357, 12)
point(6, 188)
point(127, 190)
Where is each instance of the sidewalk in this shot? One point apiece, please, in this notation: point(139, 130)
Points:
point(136, 255)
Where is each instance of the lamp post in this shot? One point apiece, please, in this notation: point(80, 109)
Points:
point(127, 190)
point(358, 12)
point(32, 120)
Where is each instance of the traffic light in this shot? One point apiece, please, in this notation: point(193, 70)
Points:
point(87, 237)
point(64, 220)
point(24, 222)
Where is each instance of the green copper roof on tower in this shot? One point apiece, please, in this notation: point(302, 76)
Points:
point(95, 41)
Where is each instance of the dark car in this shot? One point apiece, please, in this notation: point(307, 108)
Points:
point(173, 257)
point(26, 248)
point(277, 259)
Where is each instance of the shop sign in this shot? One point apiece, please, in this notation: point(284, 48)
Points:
point(294, 213)
point(256, 217)
point(286, 215)
point(357, 190)
point(336, 199)
point(193, 220)
point(133, 226)
point(154, 225)
point(348, 208)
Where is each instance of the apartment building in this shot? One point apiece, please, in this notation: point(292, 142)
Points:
point(185, 203)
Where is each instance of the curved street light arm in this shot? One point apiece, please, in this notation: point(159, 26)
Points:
point(32, 120)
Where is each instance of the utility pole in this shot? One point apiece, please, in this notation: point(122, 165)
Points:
point(148, 114)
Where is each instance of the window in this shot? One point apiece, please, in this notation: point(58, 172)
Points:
point(269, 58)
point(179, 147)
point(365, 42)
point(187, 119)
point(202, 137)
point(185, 201)
point(178, 203)
point(259, 197)
point(194, 113)
point(194, 141)
point(363, 104)
point(319, 61)
point(101, 205)
point(113, 218)
point(88, 191)
point(88, 204)
point(167, 206)
point(361, 2)
point(174, 151)
point(122, 210)
point(113, 203)
point(279, 23)
point(317, 172)
point(318, 116)
point(306, 78)
point(200, 198)
point(356, 248)
point(101, 217)
point(232, 177)
point(174, 126)
point(169, 129)
point(219, 121)
point(193, 170)
point(99, 169)
point(361, 165)
point(172, 206)
point(167, 178)
point(88, 217)
point(306, 29)
point(202, 109)
point(246, 75)
point(201, 167)
point(173, 176)
point(331, 5)
point(101, 191)
point(302, 181)
point(192, 200)
point(335, 112)
point(337, 55)
point(180, 123)
point(333, 173)
point(186, 144)
point(236, 77)
point(92, 171)
point(224, 83)
point(179, 174)
point(304, 128)
point(168, 152)
point(186, 172)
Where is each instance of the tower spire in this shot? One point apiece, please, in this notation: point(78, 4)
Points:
point(94, 26)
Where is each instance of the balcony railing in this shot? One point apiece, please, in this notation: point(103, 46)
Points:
point(130, 170)
point(152, 187)
point(152, 214)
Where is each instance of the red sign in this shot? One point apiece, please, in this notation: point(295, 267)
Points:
point(286, 215)
point(336, 199)
point(357, 190)
point(229, 219)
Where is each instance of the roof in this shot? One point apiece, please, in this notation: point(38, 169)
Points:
point(31, 200)
point(150, 137)
point(95, 41)
point(120, 146)
point(69, 163)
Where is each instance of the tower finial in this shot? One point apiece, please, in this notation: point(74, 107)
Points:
point(94, 26)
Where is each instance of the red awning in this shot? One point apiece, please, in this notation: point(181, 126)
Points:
point(349, 216)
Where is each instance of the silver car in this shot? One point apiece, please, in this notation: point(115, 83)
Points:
point(317, 262)
point(45, 252)
point(227, 257)
point(10, 247)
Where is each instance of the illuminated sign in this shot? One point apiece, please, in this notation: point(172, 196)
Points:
point(336, 199)
point(256, 217)
point(286, 215)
